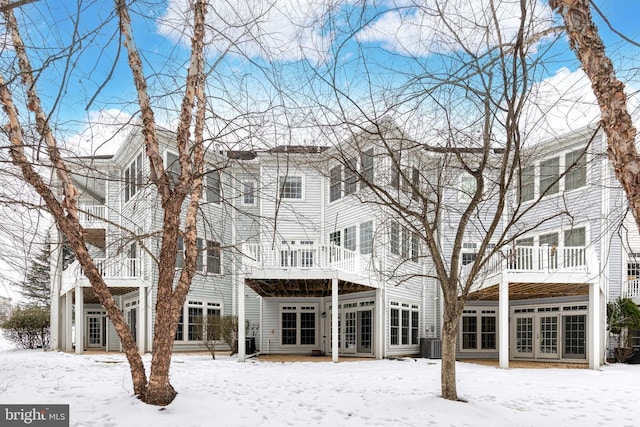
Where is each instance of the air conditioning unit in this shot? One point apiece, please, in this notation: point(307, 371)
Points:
point(431, 348)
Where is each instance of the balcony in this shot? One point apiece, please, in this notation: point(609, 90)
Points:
point(117, 272)
point(92, 216)
point(271, 261)
point(631, 289)
point(538, 264)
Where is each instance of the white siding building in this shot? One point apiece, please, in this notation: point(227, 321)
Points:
point(292, 245)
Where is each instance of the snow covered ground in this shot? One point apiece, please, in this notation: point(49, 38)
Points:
point(404, 392)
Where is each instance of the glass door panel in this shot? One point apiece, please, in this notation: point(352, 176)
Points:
point(575, 337)
point(365, 329)
point(524, 337)
point(548, 337)
point(94, 331)
point(350, 332)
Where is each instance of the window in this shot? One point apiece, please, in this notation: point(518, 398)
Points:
point(212, 323)
point(307, 327)
point(406, 242)
point(133, 178)
point(350, 238)
point(415, 247)
point(479, 330)
point(415, 183)
point(195, 318)
point(180, 253)
point(180, 329)
point(549, 176)
point(208, 258)
point(395, 172)
point(350, 176)
point(488, 333)
point(200, 316)
point(575, 237)
point(469, 332)
point(467, 188)
point(404, 315)
point(576, 170)
point(298, 324)
point(394, 238)
point(404, 324)
point(366, 167)
point(213, 257)
point(335, 183)
point(394, 331)
point(289, 327)
point(200, 255)
point(248, 192)
point(527, 184)
point(173, 167)
point(550, 239)
point(633, 270)
point(469, 252)
point(366, 237)
point(334, 238)
point(212, 189)
point(414, 326)
point(291, 187)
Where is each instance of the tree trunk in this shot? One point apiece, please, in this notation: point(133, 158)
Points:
point(159, 391)
point(448, 368)
point(609, 91)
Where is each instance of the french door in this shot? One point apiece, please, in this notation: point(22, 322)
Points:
point(545, 335)
point(355, 331)
point(96, 331)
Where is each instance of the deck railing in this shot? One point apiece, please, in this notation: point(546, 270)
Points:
point(631, 289)
point(305, 257)
point(114, 268)
point(537, 259)
point(92, 214)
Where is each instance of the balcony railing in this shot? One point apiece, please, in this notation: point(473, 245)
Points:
point(631, 289)
point(538, 259)
point(92, 214)
point(306, 257)
point(114, 268)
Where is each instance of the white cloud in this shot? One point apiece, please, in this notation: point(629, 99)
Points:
point(424, 28)
point(103, 133)
point(282, 30)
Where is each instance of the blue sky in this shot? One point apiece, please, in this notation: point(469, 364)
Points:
point(100, 84)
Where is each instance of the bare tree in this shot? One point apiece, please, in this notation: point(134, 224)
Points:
point(156, 389)
point(434, 115)
point(609, 91)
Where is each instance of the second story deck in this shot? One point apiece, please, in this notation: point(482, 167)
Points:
point(539, 265)
point(117, 272)
point(313, 261)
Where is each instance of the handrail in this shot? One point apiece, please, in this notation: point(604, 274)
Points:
point(305, 257)
point(114, 268)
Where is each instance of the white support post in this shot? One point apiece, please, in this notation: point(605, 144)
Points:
point(503, 323)
point(594, 327)
point(68, 322)
point(334, 320)
point(55, 273)
point(80, 319)
point(379, 331)
point(242, 333)
point(141, 319)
